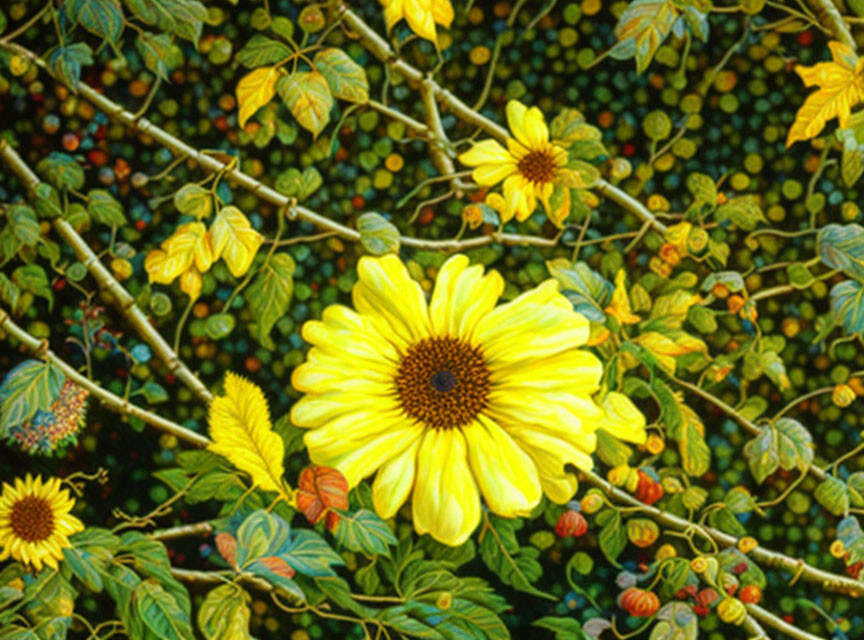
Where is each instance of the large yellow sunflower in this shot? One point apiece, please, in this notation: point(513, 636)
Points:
point(455, 398)
point(529, 166)
point(35, 521)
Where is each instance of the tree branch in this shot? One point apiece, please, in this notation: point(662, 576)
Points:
point(381, 49)
point(778, 623)
point(827, 580)
point(830, 18)
point(183, 531)
point(295, 211)
point(40, 349)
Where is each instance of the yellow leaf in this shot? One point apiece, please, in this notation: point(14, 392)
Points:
point(188, 247)
point(307, 95)
point(254, 90)
point(191, 283)
point(840, 88)
point(234, 240)
point(619, 306)
point(623, 420)
point(241, 431)
point(677, 235)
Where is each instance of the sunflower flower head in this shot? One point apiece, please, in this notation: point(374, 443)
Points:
point(456, 398)
point(35, 521)
point(531, 164)
point(421, 15)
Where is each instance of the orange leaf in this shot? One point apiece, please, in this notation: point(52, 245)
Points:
point(227, 545)
point(319, 489)
point(278, 566)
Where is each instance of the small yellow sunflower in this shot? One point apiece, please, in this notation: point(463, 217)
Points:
point(455, 398)
point(530, 166)
point(35, 521)
point(421, 15)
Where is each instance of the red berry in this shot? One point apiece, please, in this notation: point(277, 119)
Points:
point(639, 603)
point(571, 523)
point(750, 594)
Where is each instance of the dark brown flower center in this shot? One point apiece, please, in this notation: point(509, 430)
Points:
point(32, 519)
point(538, 166)
point(443, 382)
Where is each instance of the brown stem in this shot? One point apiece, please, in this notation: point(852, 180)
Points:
point(183, 531)
point(113, 402)
point(124, 302)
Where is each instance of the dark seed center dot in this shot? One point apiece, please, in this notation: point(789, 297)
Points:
point(538, 166)
point(32, 519)
point(442, 382)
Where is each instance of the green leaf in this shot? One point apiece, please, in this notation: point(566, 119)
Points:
point(183, 18)
point(365, 532)
point(794, 444)
point(31, 386)
point(62, 171)
point(160, 612)
point(103, 18)
point(346, 79)
point(66, 62)
point(833, 494)
point(261, 534)
point(261, 51)
point(23, 224)
point(589, 292)
point(694, 497)
point(641, 29)
point(153, 392)
point(743, 211)
point(104, 208)
point(46, 200)
point(761, 454)
point(310, 555)
point(677, 621)
point(270, 295)
point(90, 555)
point(702, 187)
point(194, 200)
point(307, 96)
point(224, 614)
point(564, 628)
point(33, 279)
point(799, 275)
point(219, 325)
point(377, 235)
point(852, 161)
point(158, 53)
point(611, 450)
point(842, 247)
point(847, 305)
point(515, 565)
point(10, 293)
point(612, 536)
point(725, 520)
point(150, 559)
point(850, 534)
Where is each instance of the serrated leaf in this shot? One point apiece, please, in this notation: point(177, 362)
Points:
point(613, 535)
point(643, 27)
point(795, 446)
point(241, 431)
point(842, 247)
point(194, 200)
point(101, 17)
point(501, 552)
point(234, 240)
point(158, 53)
point(563, 628)
point(62, 171)
point(310, 555)
point(589, 292)
point(160, 612)
point(224, 614)
point(365, 532)
point(23, 224)
point(261, 50)
point(31, 386)
point(346, 79)
point(307, 95)
point(269, 295)
point(319, 489)
point(847, 305)
point(833, 494)
point(66, 61)
point(104, 208)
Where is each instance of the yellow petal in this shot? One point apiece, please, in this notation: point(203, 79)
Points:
point(575, 370)
point(445, 503)
point(486, 152)
point(164, 268)
point(515, 198)
point(358, 444)
point(393, 12)
point(392, 302)
point(551, 456)
point(516, 118)
point(322, 372)
point(619, 306)
point(505, 474)
point(442, 11)
point(535, 133)
point(489, 174)
point(462, 297)
point(394, 482)
point(522, 330)
point(565, 415)
point(316, 410)
point(623, 420)
point(342, 332)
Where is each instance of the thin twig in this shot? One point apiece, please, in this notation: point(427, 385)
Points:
point(123, 301)
point(111, 401)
